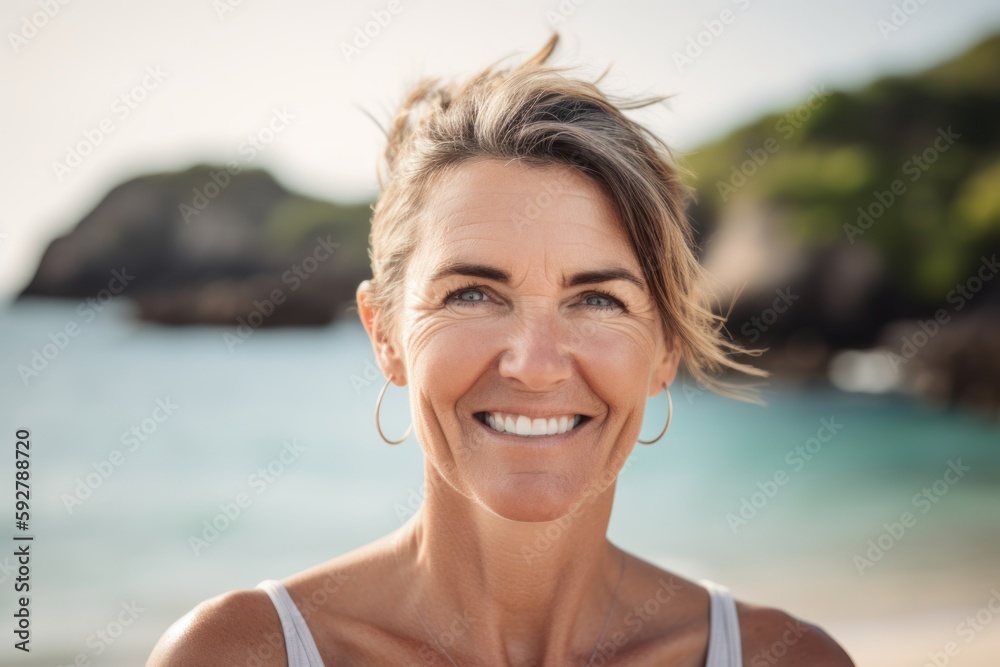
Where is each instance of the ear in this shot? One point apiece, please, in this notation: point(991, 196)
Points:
point(665, 370)
point(387, 353)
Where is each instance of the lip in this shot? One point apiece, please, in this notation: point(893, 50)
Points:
point(535, 441)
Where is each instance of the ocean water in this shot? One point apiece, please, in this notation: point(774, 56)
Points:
point(816, 474)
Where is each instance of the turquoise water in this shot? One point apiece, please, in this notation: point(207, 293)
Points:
point(340, 486)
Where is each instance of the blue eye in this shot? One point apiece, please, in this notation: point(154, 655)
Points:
point(460, 296)
point(615, 303)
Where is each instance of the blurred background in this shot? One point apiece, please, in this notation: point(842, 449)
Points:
point(173, 168)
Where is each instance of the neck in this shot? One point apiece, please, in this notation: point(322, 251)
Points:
point(496, 591)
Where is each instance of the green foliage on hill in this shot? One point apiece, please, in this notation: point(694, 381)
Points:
point(299, 219)
point(919, 155)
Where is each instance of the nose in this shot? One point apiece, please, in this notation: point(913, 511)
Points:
point(537, 354)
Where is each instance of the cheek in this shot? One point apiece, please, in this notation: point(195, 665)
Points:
point(447, 357)
point(617, 360)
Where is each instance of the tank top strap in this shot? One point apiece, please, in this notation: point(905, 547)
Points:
point(724, 645)
point(299, 642)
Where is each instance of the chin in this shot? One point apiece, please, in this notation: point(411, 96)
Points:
point(533, 498)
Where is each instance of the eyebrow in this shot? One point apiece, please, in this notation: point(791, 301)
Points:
point(499, 275)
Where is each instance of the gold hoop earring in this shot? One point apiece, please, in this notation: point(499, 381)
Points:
point(378, 405)
point(670, 415)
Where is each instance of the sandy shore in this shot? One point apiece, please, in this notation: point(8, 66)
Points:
point(892, 618)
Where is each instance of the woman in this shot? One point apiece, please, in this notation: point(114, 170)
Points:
point(533, 284)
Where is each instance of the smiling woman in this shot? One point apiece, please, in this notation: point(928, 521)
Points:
point(533, 285)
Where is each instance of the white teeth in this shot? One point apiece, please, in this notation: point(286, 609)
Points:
point(522, 426)
point(531, 428)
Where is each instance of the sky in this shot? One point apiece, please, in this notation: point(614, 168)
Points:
point(98, 91)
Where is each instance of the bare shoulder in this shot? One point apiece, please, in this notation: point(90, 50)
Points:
point(774, 637)
point(676, 630)
point(239, 627)
point(356, 584)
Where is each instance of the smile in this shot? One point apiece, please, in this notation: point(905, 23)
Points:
point(525, 427)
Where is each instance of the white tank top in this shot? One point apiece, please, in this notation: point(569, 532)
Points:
point(724, 648)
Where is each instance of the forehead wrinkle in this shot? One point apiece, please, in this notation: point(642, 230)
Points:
point(461, 220)
point(624, 259)
point(454, 201)
point(471, 205)
point(609, 246)
point(441, 197)
point(528, 192)
point(553, 233)
point(579, 212)
point(449, 192)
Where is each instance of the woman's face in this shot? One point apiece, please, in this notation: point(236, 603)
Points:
point(525, 302)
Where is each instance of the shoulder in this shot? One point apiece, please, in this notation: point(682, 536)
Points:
point(224, 631)
point(772, 636)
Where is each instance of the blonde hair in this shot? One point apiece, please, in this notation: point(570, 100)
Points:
point(536, 115)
